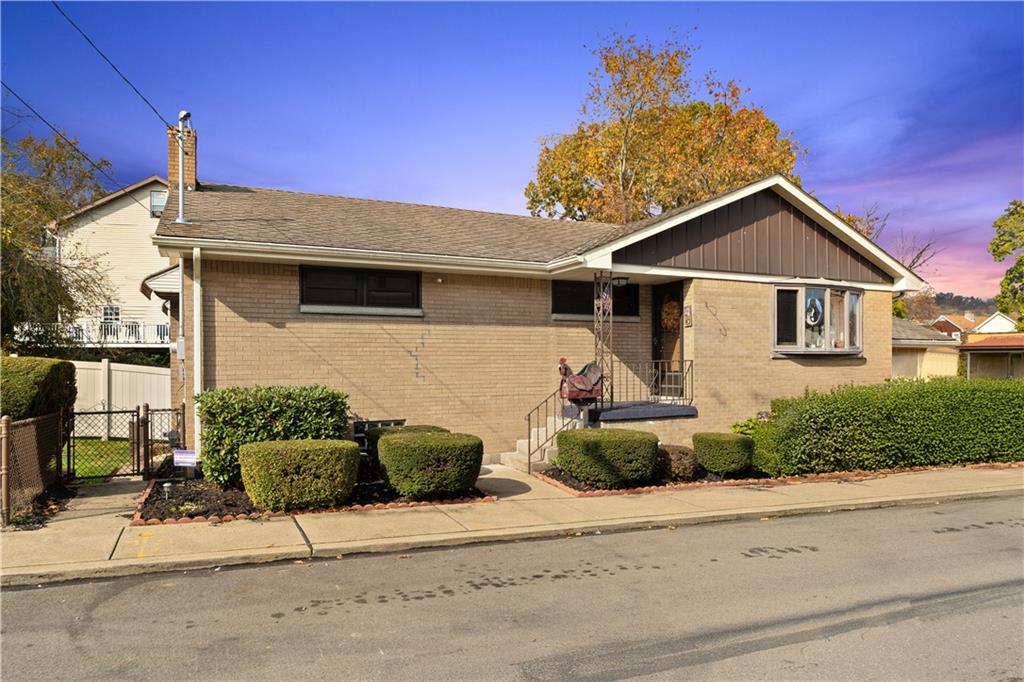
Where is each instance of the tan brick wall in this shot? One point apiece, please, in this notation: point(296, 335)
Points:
point(483, 355)
point(486, 349)
point(735, 374)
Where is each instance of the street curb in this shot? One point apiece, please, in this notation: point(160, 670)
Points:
point(121, 568)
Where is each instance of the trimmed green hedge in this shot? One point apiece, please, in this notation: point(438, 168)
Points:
point(421, 465)
point(678, 463)
point(299, 474)
point(903, 424)
point(33, 387)
point(765, 434)
point(232, 417)
point(369, 466)
point(608, 458)
point(723, 453)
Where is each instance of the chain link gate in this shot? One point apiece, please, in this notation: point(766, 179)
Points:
point(107, 443)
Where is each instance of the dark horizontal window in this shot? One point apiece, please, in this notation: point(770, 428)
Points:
point(367, 288)
point(577, 298)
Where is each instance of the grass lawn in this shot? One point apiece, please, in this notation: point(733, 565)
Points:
point(95, 457)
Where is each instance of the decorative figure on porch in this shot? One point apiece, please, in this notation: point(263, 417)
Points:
point(582, 388)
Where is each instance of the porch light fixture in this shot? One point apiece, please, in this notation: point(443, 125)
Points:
point(620, 281)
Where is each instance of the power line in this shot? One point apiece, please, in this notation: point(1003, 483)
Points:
point(64, 137)
point(112, 65)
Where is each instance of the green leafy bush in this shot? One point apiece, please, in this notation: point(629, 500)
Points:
point(723, 453)
point(299, 474)
point(678, 463)
point(765, 434)
point(232, 417)
point(369, 465)
point(424, 464)
point(903, 423)
point(33, 387)
point(608, 458)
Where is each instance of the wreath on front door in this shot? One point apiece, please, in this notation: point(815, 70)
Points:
point(670, 316)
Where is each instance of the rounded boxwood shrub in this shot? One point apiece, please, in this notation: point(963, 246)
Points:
point(678, 463)
point(232, 417)
point(608, 458)
point(374, 435)
point(369, 466)
point(430, 464)
point(299, 474)
point(723, 453)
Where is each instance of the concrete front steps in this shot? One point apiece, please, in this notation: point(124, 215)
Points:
point(542, 459)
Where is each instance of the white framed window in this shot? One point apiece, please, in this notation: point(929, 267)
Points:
point(817, 319)
point(110, 313)
point(157, 202)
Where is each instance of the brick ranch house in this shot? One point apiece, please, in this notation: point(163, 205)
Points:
point(458, 318)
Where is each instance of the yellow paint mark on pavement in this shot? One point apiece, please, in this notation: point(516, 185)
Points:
point(143, 539)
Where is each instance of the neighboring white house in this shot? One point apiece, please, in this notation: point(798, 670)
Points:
point(118, 230)
point(996, 323)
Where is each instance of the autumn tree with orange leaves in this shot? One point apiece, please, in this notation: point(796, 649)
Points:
point(645, 144)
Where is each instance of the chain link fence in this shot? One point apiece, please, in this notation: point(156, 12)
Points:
point(103, 444)
point(31, 460)
point(166, 434)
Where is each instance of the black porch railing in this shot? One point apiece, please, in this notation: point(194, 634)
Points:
point(660, 381)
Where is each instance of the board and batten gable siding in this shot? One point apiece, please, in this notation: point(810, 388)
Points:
point(760, 234)
point(120, 235)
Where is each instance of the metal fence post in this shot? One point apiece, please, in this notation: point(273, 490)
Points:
point(60, 439)
point(144, 439)
point(5, 480)
point(105, 388)
point(181, 424)
point(133, 434)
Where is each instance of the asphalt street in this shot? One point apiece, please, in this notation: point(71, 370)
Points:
point(922, 592)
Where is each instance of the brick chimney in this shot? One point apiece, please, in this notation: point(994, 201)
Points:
point(190, 158)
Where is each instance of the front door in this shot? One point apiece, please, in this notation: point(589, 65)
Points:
point(668, 322)
point(667, 339)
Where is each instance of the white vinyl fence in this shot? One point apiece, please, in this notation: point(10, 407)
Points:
point(106, 385)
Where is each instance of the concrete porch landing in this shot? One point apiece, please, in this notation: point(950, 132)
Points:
point(93, 539)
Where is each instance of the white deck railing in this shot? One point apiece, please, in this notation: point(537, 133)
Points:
point(130, 333)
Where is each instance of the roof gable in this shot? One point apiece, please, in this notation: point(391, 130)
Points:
point(760, 233)
point(902, 277)
point(113, 196)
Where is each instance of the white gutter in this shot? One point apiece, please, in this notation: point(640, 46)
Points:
point(197, 342)
point(226, 248)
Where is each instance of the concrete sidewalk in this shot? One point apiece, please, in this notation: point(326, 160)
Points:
point(92, 539)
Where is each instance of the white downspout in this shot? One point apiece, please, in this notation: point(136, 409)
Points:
point(197, 342)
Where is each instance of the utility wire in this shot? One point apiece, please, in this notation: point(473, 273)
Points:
point(112, 65)
point(64, 137)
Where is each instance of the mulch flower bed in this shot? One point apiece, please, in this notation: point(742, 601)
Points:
point(198, 501)
point(570, 484)
point(43, 507)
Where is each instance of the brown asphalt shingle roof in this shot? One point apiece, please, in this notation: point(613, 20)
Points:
point(906, 330)
point(251, 214)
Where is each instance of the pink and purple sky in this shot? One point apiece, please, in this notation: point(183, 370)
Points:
point(916, 106)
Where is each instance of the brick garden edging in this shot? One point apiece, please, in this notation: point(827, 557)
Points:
point(835, 476)
point(137, 520)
